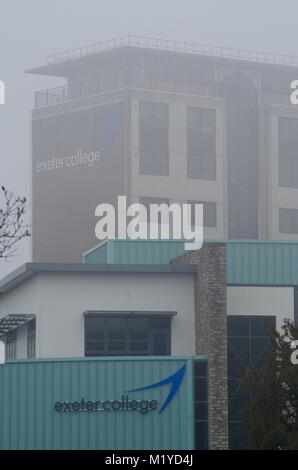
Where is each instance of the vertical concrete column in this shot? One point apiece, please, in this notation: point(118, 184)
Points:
point(211, 332)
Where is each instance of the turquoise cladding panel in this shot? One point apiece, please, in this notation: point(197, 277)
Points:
point(262, 262)
point(30, 389)
point(135, 252)
point(248, 261)
point(98, 255)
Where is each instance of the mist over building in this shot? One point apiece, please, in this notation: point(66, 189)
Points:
point(173, 122)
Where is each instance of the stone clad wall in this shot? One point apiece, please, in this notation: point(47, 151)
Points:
point(211, 332)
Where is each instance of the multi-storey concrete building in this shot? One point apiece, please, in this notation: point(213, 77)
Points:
point(170, 122)
point(221, 302)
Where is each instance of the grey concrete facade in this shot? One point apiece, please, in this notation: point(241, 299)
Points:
point(244, 190)
point(211, 332)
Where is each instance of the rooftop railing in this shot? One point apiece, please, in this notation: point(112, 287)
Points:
point(178, 46)
point(51, 96)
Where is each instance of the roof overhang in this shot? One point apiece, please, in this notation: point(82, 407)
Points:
point(95, 313)
point(27, 271)
point(10, 323)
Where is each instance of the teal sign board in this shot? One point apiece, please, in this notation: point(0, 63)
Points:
point(107, 403)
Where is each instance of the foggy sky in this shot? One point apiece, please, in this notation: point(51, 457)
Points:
point(32, 29)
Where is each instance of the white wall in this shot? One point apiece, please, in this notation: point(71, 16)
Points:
point(278, 301)
point(59, 301)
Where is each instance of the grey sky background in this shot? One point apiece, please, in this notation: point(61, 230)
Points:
point(32, 29)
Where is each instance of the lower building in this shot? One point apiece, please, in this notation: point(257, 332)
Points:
point(219, 303)
point(107, 403)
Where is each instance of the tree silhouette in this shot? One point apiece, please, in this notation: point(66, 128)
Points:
point(271, 414)
point(12, 226)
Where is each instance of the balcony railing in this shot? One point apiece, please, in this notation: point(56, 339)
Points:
point(169, 45)
point(51, 97)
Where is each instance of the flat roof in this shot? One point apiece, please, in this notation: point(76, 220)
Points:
point(61, 63)
point(28, 270)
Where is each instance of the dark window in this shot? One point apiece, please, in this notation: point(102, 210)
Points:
point(201, 143)
point(238, 325)
point(11, 345)
point(201, 404)
point(241, 101)
point(31, 340)
point(127, 335)
point(209, 213)
point(288, 153)
point(154, 139)
point(288, 221)
point(248, 344)
point(147, 201)
point(296, 306)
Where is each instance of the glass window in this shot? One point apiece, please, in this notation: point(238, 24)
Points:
point(241, 101)
point(237, 435)
point(201, 143)
point(288, 157)
point(201, 435)
point(261, 325)
point(160, 322)
point(11, 345)
point(201, 393)
point(202, 411)
point(147, 201)
point(127, 335)
point(248, 343)
point(238, 325)
point(31, 340)
point(201, 404)
point(200, 368)
point(160, 343)
point(209, 213)
point(259, 348)
point(288, 220)
point(154, 138)
point(239, 356)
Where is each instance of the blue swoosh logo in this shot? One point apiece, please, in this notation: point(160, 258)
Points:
point(110, 127)
point(174, 380)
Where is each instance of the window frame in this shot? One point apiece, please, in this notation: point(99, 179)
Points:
point(31, 340)
point(243, 333)
point(289, 214)
point(152, 123)
point(287, 160)
point(11, 345)
point(127, 316)
point(200, 165)
point(209, 219)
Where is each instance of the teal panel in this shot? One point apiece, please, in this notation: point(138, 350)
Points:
point(98, 255)
point(262, 262)
point(248, 261)
point(136, 252)
point(30, 389)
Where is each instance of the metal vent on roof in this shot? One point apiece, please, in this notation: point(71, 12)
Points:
point(10, 323)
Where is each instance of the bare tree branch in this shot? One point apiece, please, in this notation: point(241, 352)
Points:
point(12, 226)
